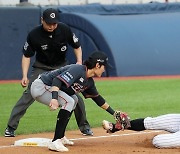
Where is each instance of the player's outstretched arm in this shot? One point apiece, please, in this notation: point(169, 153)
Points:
point(136, 125)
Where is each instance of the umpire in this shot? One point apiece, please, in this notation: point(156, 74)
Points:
point(49, 43)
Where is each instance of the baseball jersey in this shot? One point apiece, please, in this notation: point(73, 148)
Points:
point(50, 47)
point(74, 80)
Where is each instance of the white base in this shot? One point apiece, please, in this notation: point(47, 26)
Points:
point(41, 142)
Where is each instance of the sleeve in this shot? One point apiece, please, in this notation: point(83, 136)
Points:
point(91, 90)
point(73, 40)
point(27, 48)
point(56, 82)
point(99, 100)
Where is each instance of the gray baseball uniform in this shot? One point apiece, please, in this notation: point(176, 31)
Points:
point(73, 79)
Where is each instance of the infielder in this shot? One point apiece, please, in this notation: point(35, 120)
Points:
point(48, 42)
point(167, 122)
point(58, 88)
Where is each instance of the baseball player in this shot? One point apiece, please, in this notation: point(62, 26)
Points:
point(167, 122)
point(58, 88)
point(49, 43)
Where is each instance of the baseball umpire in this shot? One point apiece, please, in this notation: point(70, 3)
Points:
point(49, 43)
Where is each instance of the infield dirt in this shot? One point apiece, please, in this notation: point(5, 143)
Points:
point(123, 142)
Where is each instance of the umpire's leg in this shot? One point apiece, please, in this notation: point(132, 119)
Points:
point(24, 102)
point(20, 109)
point(80, 115)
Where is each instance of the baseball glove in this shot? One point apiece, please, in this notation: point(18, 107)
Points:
point(122, 122)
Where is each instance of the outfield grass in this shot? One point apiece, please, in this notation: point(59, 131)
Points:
point(139, 98)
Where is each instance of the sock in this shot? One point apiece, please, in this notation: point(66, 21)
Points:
point(137, 125)
point(61, 124)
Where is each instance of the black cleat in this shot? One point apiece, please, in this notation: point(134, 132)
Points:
point(9, 132)
point(87, 132)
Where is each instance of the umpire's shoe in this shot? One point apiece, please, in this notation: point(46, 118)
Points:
point(9, 132)
point(87, 132)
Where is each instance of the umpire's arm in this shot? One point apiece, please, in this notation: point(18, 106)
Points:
point(25, 68)
point(78, 53)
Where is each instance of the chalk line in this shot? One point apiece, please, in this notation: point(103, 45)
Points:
point(98, 137)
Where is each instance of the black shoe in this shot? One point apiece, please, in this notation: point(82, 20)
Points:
point(87, 132)
point(9, 132)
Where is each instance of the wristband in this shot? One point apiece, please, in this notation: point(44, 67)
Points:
point(110, 110)
point(55, 95)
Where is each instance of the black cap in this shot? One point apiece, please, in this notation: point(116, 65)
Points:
point(51, 16)
point(100, 57)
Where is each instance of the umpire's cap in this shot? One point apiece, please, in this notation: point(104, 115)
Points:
point(100, 57)
point(51, 16)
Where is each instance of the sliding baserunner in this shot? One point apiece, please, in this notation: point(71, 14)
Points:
point(167, 122)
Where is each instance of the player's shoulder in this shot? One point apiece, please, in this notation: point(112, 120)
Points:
point(75, 67)
point(35, 30)
point(91, 81)
point(62, 27)
point(78, 66)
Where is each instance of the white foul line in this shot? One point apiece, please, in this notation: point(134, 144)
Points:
point(8, 146)
point(97, 137)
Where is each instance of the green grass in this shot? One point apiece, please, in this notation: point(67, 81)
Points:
point(139, 98)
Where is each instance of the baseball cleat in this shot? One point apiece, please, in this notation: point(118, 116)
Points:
point(9, 132)
point(57, 145)
point(65, 141)
point(87, 132)
point(108, 126)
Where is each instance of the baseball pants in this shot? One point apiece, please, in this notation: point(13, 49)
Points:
point(168, 122)
point(42, 93)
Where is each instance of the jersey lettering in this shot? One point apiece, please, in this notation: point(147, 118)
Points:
point(77, 87)
point(67, 76)
point(44, 47)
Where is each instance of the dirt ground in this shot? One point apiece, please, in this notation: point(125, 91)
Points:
point(123, 142)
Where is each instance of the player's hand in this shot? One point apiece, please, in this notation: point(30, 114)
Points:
point(53, 104)
point(79, 62)
point(24, 82)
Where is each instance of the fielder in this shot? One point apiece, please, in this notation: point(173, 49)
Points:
point(167, 122)
point(58, 88)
